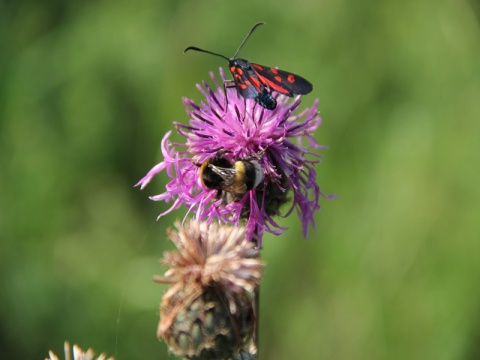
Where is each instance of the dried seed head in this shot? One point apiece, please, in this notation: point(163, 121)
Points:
point(206, 329)
point(207, 313)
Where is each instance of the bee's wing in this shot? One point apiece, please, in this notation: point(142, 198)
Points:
point(230, 182)
point(227, 174)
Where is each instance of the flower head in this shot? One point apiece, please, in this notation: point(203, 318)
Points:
point(213, 275)
point(240, 130)
point(78, 354)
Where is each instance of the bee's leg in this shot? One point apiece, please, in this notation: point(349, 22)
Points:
point(256, 156)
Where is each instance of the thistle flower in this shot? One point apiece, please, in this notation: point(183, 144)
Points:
point(208, 313)
point(78, 354)
point(280, 139)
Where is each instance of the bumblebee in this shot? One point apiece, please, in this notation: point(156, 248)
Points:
point(232, 180)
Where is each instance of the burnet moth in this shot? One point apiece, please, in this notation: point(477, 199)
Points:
point(254, 81)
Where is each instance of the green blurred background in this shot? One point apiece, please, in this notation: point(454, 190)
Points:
point(88, 89)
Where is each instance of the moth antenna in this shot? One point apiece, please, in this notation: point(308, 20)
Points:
point(205, 51)
point(246, 37)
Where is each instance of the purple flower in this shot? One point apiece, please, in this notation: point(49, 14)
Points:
point(239, 128)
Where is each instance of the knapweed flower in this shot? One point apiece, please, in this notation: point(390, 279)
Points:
point(239, 129)
point(207, 313)
point(78, 354)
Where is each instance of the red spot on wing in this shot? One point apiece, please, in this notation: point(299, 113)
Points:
point(259, 67)
point(274, 86)
point(291, 78)
point(278, 79)
point(257, 84)
point(274, 71)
